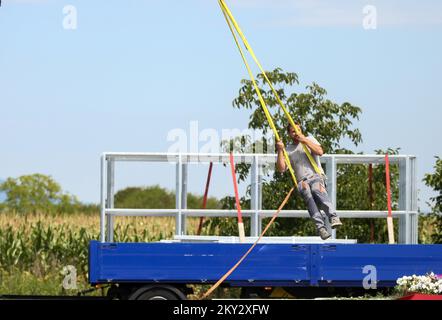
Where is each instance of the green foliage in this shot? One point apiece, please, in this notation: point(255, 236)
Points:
point(353, 193)
point(330, 123)
point(430, 228)
point(33, 256)
point(228, 226)
point(353, 185)
point(22, 282)
point(39, 248)
point(434, 180)
point(36, 193)
point(155, 197)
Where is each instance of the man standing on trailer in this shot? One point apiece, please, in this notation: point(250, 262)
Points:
point(310, 184)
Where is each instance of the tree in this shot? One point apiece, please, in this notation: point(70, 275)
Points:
point(36, 193)
point(153, 197)
point(156, 197)
point(330, 123)
point(353, 193)
point(434, 180)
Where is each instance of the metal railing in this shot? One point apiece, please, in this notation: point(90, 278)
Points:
point(407, 214)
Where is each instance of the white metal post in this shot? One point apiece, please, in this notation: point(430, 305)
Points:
point(103, 198)
point(259, 196)
point(403, 200)
point(331, 188)
point(178, 194)
point(110, 173)
point(184, 177)
point(415, 215)
point(254, 221)
point(409, 200)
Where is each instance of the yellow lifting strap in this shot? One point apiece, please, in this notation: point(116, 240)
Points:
point(261, 100)
point(231, 21)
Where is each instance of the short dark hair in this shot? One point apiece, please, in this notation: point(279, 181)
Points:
point(290, 126)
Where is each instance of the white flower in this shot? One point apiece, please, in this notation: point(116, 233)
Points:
point(429, 283)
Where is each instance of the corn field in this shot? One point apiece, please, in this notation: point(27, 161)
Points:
point(34, 249)
point(38, 243)
point(39, 246)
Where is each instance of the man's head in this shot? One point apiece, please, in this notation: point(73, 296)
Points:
point(292, 131)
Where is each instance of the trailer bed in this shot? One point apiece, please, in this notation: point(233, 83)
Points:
point(269, 264)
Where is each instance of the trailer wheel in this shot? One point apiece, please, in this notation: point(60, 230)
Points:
point(157, 293)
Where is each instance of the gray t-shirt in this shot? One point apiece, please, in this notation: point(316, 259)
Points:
point(300, 162)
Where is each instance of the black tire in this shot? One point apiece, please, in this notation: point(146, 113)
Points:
point(155, 294)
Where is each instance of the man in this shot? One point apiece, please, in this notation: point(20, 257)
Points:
point(310, 184)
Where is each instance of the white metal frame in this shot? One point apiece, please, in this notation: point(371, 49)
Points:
point(407, 213)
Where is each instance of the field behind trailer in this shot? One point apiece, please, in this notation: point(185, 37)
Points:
point(35, 249)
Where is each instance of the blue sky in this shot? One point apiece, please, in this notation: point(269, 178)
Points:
point(134, 70)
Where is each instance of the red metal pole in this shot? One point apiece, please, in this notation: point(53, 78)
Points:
point(206, 192)
point(238, 204)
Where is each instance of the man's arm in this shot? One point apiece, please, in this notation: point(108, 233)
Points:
point(280, 161)
point(315, 148)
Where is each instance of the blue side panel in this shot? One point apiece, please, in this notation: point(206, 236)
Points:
point(268, 264)
point(198, 262)
point(344, 264)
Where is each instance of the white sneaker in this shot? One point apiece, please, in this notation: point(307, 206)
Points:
point(335, 222)
point(323, 233)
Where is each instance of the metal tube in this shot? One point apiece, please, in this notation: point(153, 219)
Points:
point(414, 207)
point(259, 196)
point(110, 173)
point(184, 177)
point(254, 227)
point(408, 202)
point(102, 198)
point(402, 202)
point(247, 213)
point(407, 195)
point(178, 195)
point(331, 188)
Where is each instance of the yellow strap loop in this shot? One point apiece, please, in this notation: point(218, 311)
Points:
point(231, 20)
point(261, 100)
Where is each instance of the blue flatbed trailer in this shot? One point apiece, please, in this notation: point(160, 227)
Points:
point(158, 267)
